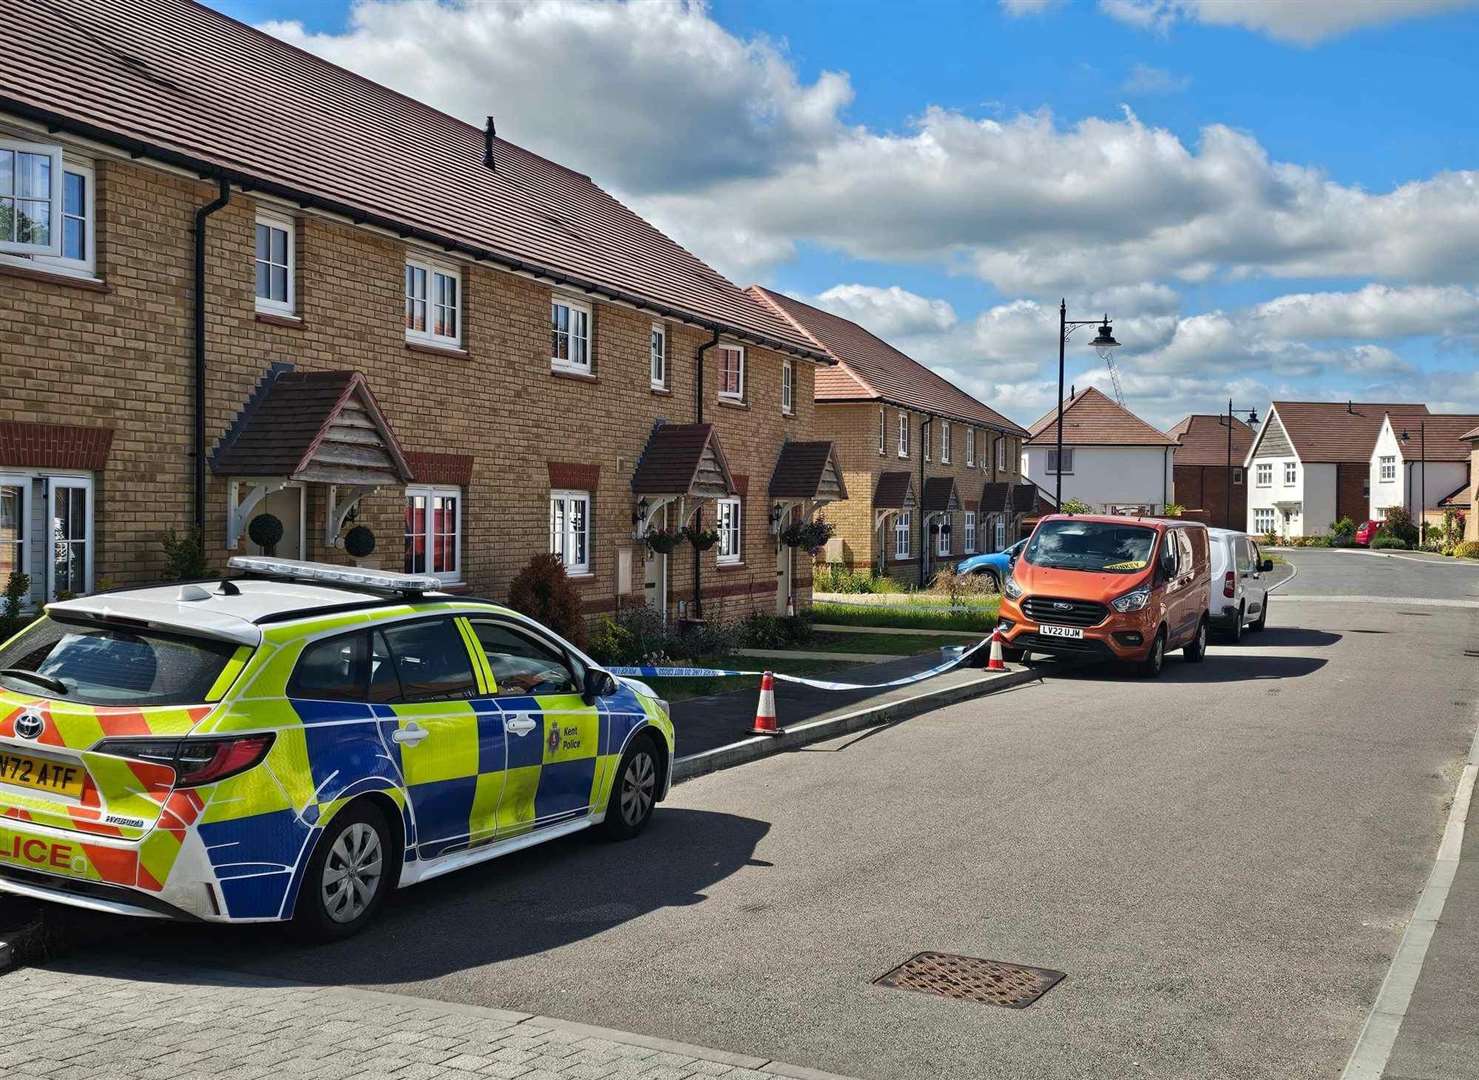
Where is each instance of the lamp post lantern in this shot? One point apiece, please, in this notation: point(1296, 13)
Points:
point(1252, 421)
point(1102, 343)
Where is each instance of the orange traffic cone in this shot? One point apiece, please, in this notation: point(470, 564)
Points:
point(996, 663)
point(765, 709)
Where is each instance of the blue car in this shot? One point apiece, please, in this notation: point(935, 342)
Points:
point(996, 564)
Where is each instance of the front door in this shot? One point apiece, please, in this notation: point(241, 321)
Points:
point(785, 569)
point(553, 735)
point(655, 582)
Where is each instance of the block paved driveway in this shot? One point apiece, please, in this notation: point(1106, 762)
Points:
point(1222, 863)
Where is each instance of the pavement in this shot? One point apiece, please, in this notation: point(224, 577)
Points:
point(1222, 862)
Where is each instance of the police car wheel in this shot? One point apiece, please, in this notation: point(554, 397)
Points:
point(634, 793)
point(348, 875)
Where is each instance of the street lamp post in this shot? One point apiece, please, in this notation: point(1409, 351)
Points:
point(1102, 344)
point(1422, 498)
point(1252, 420)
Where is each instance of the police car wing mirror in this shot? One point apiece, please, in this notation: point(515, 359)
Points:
point(598, 684)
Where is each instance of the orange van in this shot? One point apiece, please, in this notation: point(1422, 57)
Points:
point(1110, 588)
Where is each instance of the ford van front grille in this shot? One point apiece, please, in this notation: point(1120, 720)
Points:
point(1049, 609)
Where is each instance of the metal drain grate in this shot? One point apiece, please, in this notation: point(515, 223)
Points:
point(965, 978)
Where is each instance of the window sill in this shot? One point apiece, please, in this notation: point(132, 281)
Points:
point(581, 577)
point(436, 350)
point(576, 376)
point(731, 403)
point(273, 318)
point(788, 414)
point(55, 277)
point(662, 391)
point(722, 567)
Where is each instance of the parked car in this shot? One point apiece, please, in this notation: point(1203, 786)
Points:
point(996, 565)
point(298, 743)
point(1366, 532)
point(1239, 587)
point(1110, 588)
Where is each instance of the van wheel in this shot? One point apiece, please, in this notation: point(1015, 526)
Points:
point(1150, 667)
point(634, 792)
point(1262, 620)
point(347, 877)
point(1195, 650)
point(1235, 632)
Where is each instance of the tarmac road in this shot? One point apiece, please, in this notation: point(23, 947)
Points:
point(1222, 862)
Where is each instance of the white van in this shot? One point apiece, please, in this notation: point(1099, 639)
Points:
point(1239, 583)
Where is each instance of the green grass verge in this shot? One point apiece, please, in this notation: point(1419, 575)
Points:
point(902, 644)
point(683, 689)
point(917, 616)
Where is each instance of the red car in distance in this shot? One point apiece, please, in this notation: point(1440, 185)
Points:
point(1366, 532)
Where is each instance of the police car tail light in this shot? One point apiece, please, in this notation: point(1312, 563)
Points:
point(195, 761)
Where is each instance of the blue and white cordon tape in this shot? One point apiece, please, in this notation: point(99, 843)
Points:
point(819, 684)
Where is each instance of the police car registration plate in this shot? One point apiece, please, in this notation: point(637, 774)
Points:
point(1061, 631)
point(41, 774)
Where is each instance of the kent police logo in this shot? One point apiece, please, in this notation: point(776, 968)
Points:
point(29, 725)
point(553, 742)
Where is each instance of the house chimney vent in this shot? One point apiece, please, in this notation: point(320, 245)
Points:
point(489, 134)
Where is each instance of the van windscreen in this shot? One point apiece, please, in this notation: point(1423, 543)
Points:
point(1096, 546)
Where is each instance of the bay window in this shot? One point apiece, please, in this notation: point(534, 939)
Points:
point(434, 531)
point(570, 529)
point(727, 517)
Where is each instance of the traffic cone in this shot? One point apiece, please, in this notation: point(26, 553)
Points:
point(765, 709)
point(996, 663)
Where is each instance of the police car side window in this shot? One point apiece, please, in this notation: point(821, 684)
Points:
point(331, 669)
point(521, 663)
point(431, 661)
point(385, 684)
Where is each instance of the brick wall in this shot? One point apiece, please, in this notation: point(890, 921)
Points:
point(1204, 487)
point(119, 357)
point(1352, 495)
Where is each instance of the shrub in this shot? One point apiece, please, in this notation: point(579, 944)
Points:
point(712, 637)
point(1385, 541)
point(1174, 510)
point(1398, 523)
point(957, 586)
point(837, 578)
point(184, 556)
point(1344, 527)
point(543, 591)
point(763, 631)
point(1469, 549)
point(1271, 538)
point(12, 619)
point(1076, 506)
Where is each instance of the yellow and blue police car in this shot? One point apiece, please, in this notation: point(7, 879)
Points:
point(296, 742)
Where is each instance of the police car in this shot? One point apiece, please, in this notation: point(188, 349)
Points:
point(296, 742)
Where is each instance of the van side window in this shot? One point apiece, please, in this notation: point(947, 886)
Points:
point(1168, 555)
point(1185, 553)
point(1245, 556)
point(331, 669)
point(431, 661)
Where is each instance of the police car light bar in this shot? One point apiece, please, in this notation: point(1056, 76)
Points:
point(330, 574)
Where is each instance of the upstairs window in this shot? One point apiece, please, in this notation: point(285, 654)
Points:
point(944, 442)
point(882, 432)
point(276, 241)
point(570, 336)
point(903, 434)
point(1291, 474)
point(970, 448)
point(1263, 473)
point(433, 303)
point(731, 372)
point(788, 386)
point(1053, 469)
point(1388, 468)
point(30, 198)
point(658, 349)
point(1002, 447)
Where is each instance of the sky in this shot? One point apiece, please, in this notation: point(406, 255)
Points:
point(1271, 199)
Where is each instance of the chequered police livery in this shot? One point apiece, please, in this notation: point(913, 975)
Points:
point(492, 772)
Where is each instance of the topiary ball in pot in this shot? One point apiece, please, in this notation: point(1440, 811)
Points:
point(266, 532)
point(359, 541)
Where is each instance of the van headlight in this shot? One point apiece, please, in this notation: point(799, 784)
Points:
point(1012, 590)
point(1133, 600)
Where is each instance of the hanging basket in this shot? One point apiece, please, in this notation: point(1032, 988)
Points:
point(359, 541)
point(265, 530)
point(663, 541)
point(701, 539)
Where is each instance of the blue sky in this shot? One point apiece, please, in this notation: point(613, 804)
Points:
point(1272, 199)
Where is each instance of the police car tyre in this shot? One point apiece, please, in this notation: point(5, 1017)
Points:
point(1262, 620)
point(634, 793)
point(348, 876)
point(1151, 666)
point(1195, 650)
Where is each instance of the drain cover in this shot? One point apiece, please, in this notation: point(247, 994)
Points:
point(965, 978)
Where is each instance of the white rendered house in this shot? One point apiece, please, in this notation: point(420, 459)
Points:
point(1423, 471)
point(1112, 459)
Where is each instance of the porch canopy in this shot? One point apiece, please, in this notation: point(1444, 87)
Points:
point(941, 495)
point(680, 461)
point(807, 472)
point(894, 493)
point(1001, 498)
point(321, 427)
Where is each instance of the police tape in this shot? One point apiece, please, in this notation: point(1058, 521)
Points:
point(816, 684)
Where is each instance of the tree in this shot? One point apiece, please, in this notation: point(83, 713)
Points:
point(542, 591)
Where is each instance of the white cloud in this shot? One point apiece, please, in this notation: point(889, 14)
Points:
point(1375, 311)
point(1145, 80)
point(1300, 22)
point(888, 312)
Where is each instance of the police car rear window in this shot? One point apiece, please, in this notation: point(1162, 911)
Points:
point(99, 665)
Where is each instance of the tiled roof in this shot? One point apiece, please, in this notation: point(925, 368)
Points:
point(895, 491)
point(870, 369)
point(994, 496)
point(683, 459)
point(1324, 431)
point(187, 85)
point(940, 493)
point(1092, 419)
point(801, 468)
point(1201, 439)
point(1459, 496)
point(1447, 436)
point(296, 425)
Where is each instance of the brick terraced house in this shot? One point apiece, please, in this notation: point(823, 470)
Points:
point(240, 282)
point(1209, 468)
point(932, 472)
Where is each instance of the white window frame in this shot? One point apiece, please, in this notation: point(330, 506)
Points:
point(657, 349)
point(431, 492)
point(54, 484)
point(53, 153)
point(788, 386)
point(729, 520)
point(942, 538)
point(1001, 454)
point(562, 536)
point(903, 434)
point(903, 528)
point(286, 224)
point(1387, 463)
point(1264, 519)
point(970, 532)
point(1263, 474)
point(1001, 532)
point(1053, 461)
point(434, 268)
point(1291, 473)
point(24, 483)
point(970, 448)
point(882, 432)
point(572, 363)
point(85, 267)
point(944, 442)
point(726, 351)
